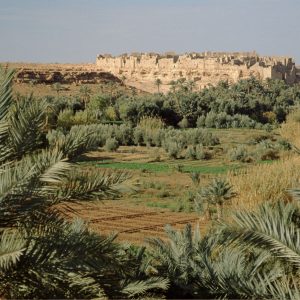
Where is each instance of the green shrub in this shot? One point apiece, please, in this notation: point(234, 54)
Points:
point(65, 119)
point(179, 168)
point(111, 144)
point(257, 138)
point(269, 154)
point(157, 137)
point(111, 113)
point(283, 145)
point(265, 144)
point(190, 153)
point(138, 136)
point(195, 176)
point(239, 154)
point(205, 137)
point(224, 120)
point(124, 134)
point(184, 123)
point(173, 149)
point(268, 127)
point(200, 121)
point(200, 205)
point(201, 153)
point(151, 123)
point(210, 120)
point(164, 194)
point(84, 118)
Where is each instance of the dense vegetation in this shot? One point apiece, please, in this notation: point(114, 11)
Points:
point(45, 255)
point(248, 103)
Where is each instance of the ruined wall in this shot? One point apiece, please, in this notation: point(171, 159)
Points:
point(204, 69)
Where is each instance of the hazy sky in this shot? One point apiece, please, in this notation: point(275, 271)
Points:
point(77, 30)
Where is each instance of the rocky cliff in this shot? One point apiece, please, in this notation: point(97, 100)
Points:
point(61, 73)
point(208, 68)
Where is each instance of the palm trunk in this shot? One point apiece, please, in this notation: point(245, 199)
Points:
point(219, 211)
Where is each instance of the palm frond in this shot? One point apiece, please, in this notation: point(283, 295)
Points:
point(26, 120)
point(284, 289)
point(85, 285)
point(93, 184)
point(80, 139)
point(86, 263)
point(5, 105)
point(225, 268)
point(32, 173)
point(270, 228)
point(28, 184)
point(218, 191)
point(176, 256)
point(140, 288)
point(12, 246)
point(6, 78)
point(5, 150)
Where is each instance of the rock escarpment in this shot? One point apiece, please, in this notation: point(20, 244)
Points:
point(204, 69)
point(61, 73)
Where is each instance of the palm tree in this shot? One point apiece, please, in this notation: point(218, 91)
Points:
point(196, 177)
point(85, 91)
point(255, 254)
point(274, 230)
point(112, 87)
point(158, 83)
point(57, 87)
point(175, 258)
point(217, 193)
point(41, 254)
point(173, 85)
point(123, 78)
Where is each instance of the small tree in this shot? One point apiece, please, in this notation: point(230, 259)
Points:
point(173, 85)
point(57, 87)
point(85, 91)
point(112, 87)
point(123, 78)
point(111, 145)
point(190, 85)
point(217, 193)
point(196, 177)
point(158, 83)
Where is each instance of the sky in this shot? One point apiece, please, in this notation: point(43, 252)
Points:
point(76, 31)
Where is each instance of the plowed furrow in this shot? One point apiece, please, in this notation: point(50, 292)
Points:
point(129, 216)
point(158, 225)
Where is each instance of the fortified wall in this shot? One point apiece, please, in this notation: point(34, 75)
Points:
point(207, 68)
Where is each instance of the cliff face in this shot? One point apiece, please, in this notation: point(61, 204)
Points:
point(61, 73)
point(203, 68)
point(297, 74)
point(142, 70)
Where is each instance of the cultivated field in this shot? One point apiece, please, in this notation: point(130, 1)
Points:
point(133, 223)
point(163, 190)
